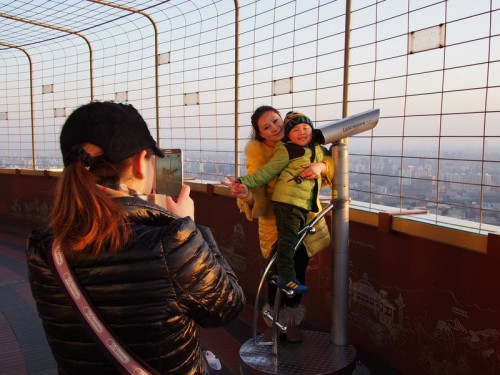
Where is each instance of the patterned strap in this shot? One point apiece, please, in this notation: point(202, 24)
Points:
point(111, 346)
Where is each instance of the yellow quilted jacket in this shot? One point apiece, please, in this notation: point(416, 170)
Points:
point(257, 154)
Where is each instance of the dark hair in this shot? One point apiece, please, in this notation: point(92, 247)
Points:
point(255, 120)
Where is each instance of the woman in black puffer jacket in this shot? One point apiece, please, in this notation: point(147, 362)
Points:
point(152, 273)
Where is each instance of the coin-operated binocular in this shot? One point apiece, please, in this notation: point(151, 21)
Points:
point(348, 126)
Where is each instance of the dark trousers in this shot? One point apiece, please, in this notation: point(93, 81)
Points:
point(289, 220)
point(300, 261)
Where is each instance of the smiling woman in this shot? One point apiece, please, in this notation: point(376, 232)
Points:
point(293, 198)
point(268, 133)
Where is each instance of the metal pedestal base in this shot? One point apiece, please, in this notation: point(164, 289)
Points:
point(314, 355)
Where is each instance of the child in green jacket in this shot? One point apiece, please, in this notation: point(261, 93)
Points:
point(293, 197)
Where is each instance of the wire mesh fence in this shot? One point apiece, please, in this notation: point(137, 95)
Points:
point(196, 70)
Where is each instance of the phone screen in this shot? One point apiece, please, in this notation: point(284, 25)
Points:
point(169, 172)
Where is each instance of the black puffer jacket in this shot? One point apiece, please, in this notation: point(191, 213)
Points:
point(152, 294)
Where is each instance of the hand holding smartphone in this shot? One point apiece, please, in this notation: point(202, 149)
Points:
point(183, 206)
point(169, 174)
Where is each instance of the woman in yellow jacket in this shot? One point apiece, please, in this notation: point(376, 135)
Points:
point(268, 129)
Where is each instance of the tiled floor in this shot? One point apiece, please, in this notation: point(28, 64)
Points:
point(24, 349)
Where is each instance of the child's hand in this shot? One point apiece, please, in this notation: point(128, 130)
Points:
point(237, 190)
point(184, 205)
point(230, 181)
point(312, 170)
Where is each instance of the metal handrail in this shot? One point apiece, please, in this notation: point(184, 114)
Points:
point(307, 229)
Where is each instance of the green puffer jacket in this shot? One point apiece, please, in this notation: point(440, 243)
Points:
point(287, 163)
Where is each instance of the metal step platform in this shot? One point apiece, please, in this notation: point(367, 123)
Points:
point(314, 355)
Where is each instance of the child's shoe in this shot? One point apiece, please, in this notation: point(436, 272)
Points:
point(271, 276)
point(293, 285)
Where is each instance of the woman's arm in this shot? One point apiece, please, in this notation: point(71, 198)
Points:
point(207, 287)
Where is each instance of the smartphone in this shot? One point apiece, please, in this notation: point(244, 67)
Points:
point(169, 175)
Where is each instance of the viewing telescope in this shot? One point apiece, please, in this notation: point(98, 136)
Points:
point(349, 126)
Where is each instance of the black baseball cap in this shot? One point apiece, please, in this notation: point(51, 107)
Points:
point(117, 128)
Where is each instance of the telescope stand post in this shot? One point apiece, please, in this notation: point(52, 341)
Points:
point(340, 258)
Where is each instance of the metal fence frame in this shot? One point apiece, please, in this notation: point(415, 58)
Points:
point(164, 70)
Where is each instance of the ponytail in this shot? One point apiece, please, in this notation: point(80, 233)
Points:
point(83, 216)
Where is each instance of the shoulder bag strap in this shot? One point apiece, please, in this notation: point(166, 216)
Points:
point(126, 362)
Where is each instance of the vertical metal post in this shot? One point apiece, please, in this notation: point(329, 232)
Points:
point(347, 58)
point(340, 230)
point(236, 86)
point(340, 217)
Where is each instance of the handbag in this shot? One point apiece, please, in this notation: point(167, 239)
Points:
point(126, 362)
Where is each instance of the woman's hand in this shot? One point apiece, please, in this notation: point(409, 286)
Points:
point(237, 190)
point(313, 170)
point(184, 205)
